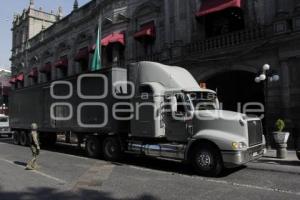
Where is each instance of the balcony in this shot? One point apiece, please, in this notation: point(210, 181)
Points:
point(226, 41)
point(153, 57)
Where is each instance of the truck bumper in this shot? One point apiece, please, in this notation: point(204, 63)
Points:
point(236, 158)
point(5, 132)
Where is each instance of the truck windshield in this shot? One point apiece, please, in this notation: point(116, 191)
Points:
point(3, 119)
point(203, 100)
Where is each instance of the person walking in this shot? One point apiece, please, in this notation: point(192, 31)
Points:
point(34, 146)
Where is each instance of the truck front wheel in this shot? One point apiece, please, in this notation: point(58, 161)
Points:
point(24, 139)
point(93, 146)
point(111, 149)
point(207, 161)
point(16, 137)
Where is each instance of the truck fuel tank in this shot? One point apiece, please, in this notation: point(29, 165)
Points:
point(173, 151)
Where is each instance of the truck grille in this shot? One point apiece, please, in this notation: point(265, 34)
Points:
point(255, 132)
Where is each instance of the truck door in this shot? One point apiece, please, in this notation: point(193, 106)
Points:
point(176, 128)
point(143, 124)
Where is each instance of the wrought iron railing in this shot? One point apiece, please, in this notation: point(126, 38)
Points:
point(227, 40)
point(152, 57)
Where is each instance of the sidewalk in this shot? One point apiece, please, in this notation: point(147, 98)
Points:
point(271, 155)
point(269, 162)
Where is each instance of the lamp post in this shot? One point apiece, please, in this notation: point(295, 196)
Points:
point(267, 75)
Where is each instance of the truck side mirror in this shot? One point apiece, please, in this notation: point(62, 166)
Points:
point(173, 104)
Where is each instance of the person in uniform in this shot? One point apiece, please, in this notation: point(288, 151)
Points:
point(34, 146)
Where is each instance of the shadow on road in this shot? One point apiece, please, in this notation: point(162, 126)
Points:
point(20, 163)
point(138, 161)
point(48, 193)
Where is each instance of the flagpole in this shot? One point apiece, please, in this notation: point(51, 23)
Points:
point(100, 37)
point(96, 63)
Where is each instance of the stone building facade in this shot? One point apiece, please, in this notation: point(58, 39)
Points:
point(224, 43)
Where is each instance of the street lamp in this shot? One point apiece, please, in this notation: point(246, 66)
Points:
point(267, 75)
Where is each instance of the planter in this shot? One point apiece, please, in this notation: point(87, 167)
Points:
point(280, 139)
point(298, 154)
point(298, 147)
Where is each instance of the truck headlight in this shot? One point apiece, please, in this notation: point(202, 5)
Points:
point(239, 145)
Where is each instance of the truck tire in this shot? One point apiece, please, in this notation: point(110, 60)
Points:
point(207, 161)
point(47, 139)
point(112, 149)
point(16, 137)
point(24, 139)
point(93, 146)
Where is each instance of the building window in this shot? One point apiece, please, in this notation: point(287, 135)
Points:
point(62, 66)
point(82, 58)
point(223, 22)
point(33, 75)
point(146, 36)
point(46, 71)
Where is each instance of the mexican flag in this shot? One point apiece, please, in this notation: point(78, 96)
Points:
point(96, 63)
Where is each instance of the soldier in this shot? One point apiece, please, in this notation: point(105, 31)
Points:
point(34, 146)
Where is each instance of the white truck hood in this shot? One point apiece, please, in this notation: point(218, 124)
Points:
point(219, 114)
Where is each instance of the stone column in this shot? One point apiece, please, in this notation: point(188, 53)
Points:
point(281, 8)
point(178, 25)
point(285, 87)
point(167, 42)
point(297, 5)
point(167, 22)
point(286, 97)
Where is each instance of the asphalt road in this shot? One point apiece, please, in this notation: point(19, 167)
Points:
point(66, 174)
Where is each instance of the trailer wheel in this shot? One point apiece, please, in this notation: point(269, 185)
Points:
point(16, 137)
point(93, 146)
point(111, 149)
point(207, 161)
point(23, 138)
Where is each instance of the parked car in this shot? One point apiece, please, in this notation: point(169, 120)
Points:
point(4, 126)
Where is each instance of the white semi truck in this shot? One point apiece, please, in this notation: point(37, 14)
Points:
point(146, 108)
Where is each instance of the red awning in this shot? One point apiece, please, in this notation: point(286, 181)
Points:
point(13, 80)
point(211, 6)
point(62, 63)
point(146, 32)
point(46, 68)
point(20, 77)
point(33, 73)
point(83, 54)
point(112, 38)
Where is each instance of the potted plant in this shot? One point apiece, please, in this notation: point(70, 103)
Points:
point(280, 139)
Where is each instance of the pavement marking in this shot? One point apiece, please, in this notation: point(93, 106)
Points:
point(36, 172)
point(221, 181)
point(94, 177)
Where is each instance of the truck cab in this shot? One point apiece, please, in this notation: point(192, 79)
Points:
point(4, 126)
point(187, 122)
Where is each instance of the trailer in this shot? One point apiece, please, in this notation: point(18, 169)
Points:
point(147, 109)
